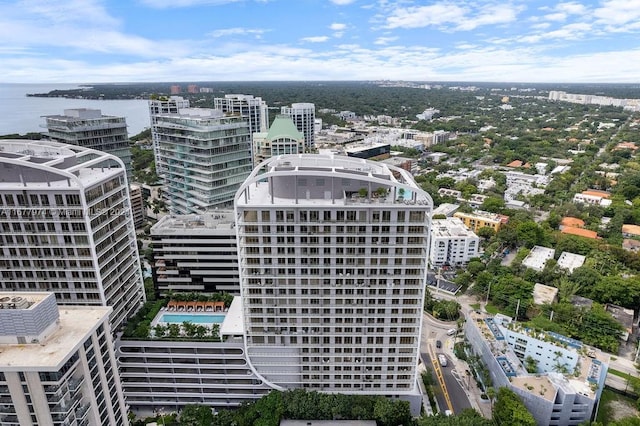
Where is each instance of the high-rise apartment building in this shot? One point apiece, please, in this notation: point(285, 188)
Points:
point(252, 109)
point(333, 263)
point(67, 226)
point(282, 138)
point(90, 129)
point(158, 106)
point(57, 364)
point(205, 156)
point(303, 115)
point(196, 253)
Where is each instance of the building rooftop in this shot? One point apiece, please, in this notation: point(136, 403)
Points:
point(571, 261)
point(537, 257)
point(572, 221)
point(450, 227)
point(596, 193)
point(481, 214)
point(76, 323)
point(588, 367)
point(631, 230)
point(233, 324)
point(579, 232)
point(544, 294)
point(623, 315)
point(48, 164)
point(283, 126)
point(203, 223)
point(363, 146)
point(291, 170)
point(446, 209)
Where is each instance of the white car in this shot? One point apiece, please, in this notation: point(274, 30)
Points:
point(451, 332)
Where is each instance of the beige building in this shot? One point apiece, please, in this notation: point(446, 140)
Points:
point(57, 364)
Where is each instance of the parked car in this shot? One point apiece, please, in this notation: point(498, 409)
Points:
point(438, 344)
point(451, 332)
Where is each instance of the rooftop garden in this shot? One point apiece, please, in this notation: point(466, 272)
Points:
point(139, 326)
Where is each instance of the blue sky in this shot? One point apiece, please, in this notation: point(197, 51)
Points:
point(51, 41)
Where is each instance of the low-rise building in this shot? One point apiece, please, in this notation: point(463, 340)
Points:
point(479, 219)
point(631, 231)
point(544, 294)
point(371, 151)
point(594, 197)
point(580, 232)
point(167, 373)
point(568, 379)
point(571, 222)
point(570, 261)
point(538, 257)
point(452, 243)
point(196, 253)
point(623, 316)
point(446, 209)
point(57, 364)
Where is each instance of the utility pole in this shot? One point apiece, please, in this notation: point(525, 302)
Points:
point(488, 291)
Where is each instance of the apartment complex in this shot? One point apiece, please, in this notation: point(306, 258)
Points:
point(303, 115)
point(160, 106)
point(57, 364)
point(137, 205)
point(90, 129)
point(568, 379)
point(204, 156)
point(252, 109)
point(282, 138)
point(196, 253)
point(168, 373)
point(452, 243)
point(67, 226)
point(479, 219)
point(333, 262)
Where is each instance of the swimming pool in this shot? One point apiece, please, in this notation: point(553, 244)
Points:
point(195, 318)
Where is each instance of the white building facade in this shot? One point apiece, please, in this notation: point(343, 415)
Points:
point(160, 106)
point(333, 262)
point(303, 115)
point(253, 109)
point(90, 129)
point(57, 366)
point(67, 226)
point(205, 156)
point(452, 243)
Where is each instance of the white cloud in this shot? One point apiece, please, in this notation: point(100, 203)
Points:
point(572, 8)
point(618, 12)
point(224, 32)
point(316, 39)
point(337, 27)
point(166, 4)
point(424, 16)
point(451, 16)
point(558, 16)
point(541, 26)
point(573, 31)
point(382, 41)
point(342, 2)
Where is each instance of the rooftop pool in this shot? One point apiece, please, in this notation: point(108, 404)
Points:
point(195, 318)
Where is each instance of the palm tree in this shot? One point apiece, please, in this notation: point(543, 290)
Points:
point(491, 394)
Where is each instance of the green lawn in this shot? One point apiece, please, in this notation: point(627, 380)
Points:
point(492, 309)
point(605, 411)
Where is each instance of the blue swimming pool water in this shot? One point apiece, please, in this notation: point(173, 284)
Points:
point(195, 318)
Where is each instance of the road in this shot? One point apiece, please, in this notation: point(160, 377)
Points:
point(433, 330)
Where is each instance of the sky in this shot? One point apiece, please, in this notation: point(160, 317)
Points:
point(93, 41)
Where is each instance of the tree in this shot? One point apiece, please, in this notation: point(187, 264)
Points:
point(388, 412)
point(486, 232)
point(196, 415)
point(493, 205)
point(530, 233)
point(510, 411)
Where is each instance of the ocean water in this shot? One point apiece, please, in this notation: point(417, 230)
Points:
point(22, 114)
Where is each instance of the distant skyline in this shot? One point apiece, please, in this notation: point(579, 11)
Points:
point(94, 41)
